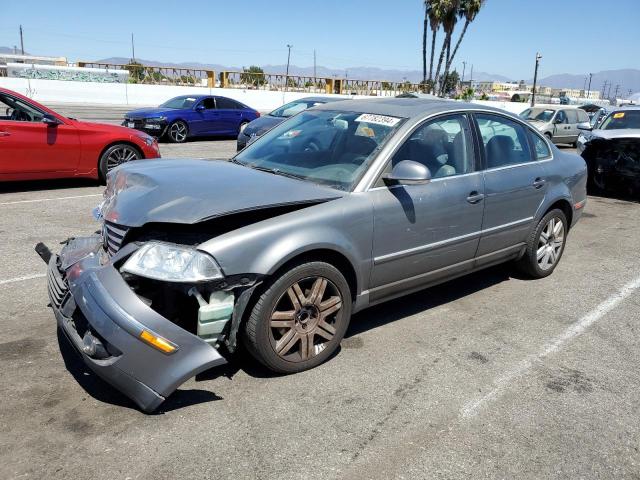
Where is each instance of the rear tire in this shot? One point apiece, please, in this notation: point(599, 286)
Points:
point(545, 245)
point(115, 156)
point(299, 320)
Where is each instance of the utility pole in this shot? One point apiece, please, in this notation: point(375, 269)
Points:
point(15, 50)
point(286, 77)
point(609, 91)
point(21, 41)
point(604, 87)
point(615, 95)
point(133, 50)
point(589, 90)
point(464, 66)
point(584, 87)
point(314, 67)
point(535, 80)
point(471, 79)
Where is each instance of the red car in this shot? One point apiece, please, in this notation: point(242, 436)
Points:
point(38, 143)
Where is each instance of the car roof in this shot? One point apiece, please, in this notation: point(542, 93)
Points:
point(404, 107)
point(319, 99)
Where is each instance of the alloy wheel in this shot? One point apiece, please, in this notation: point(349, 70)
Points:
point(121, 155)
point(305, 318)
point(550, 243)
point(178, 132)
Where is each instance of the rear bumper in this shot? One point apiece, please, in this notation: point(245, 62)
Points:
point(90, 300)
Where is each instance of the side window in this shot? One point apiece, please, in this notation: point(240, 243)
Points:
point(209, 103)
point(561, 117)
point(227, 103)
point(582, 116)
point(540, 146)
point(18, 111)
point(572, 116)
point(504, 140)
point(443, 145)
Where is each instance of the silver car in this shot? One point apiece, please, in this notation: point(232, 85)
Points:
point(341, 207)
point(558, 123)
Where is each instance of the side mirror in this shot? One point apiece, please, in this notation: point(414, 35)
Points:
point(50, 120)
point(200, 108)
point(408, 172)
point(584, 126)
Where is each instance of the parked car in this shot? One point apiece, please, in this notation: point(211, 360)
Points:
point(558, 124)
point(283, 243)
point(612, 151)
point(190, 116)
point(279, 115)
point(38, 143)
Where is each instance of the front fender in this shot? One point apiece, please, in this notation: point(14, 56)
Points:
point(344, 226)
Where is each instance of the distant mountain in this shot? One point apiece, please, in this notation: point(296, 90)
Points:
point(360, 73)
point(628, 79)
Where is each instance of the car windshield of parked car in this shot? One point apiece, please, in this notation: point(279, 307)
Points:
point(332, 148)
point(622, 120)
point(290, 109)
point(180, 102)
point(539, 114)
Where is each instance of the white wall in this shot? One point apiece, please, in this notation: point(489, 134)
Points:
point(144, 95)
point(137, 95)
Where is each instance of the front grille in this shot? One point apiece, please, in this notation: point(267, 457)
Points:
point(113, 236)
point(58, 288)
point(137, 122)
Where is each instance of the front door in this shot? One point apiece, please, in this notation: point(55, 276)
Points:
point(423, 233)
point(561, 127)
point(208, 119)
point(28, 145)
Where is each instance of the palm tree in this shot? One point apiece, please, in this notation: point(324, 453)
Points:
point(425, 25)
point(468, 10)
point(449, 16)
point(433, 9)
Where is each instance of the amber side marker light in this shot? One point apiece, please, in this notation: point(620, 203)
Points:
point(158, 342)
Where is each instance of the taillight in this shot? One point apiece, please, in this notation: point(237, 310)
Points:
point(257, 114)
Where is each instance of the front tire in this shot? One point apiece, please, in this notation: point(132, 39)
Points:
point(299, 320)
point(545, 245)
point(177, 132)
point(116, 155)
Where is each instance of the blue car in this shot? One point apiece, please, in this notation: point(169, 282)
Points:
point(189, 116)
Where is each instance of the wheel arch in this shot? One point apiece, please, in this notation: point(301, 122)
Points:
point(564, 205)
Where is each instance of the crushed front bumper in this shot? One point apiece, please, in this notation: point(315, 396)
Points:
point(92, 303)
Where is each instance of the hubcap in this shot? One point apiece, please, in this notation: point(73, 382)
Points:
point(550, 243)
point(121, 155)
point(305, 319)
point(178, 131)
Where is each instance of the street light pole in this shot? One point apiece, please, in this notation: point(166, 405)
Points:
point(535, 80)
point(589, 90)
point(21, 41)
point(464, 66)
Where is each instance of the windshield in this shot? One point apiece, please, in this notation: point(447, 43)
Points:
point(180, 102)
point(328, 147)
point(622, 120)
point(290, 109)
point(540, 114)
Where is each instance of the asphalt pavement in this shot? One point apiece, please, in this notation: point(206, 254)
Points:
point(488, 376)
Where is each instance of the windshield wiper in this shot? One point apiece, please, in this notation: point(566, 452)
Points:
point(276, 171)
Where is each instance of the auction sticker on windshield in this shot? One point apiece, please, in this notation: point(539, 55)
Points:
point(378, 119)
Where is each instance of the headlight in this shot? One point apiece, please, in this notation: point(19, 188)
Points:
point(156, 119)
point(173, 263)
point(148, 140)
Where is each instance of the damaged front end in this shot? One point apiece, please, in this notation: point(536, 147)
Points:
point(613, 163)
point(142, 330)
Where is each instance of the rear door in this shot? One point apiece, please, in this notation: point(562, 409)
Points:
point(230, 115)
point(515, 183)
point(27, 145)
point(572, 120)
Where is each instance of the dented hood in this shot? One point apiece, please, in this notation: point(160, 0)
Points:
point(616, 133)
point(190, 191)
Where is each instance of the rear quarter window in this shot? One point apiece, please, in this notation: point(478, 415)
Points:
point(540, 146)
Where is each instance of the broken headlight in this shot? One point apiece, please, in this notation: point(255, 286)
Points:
point(173, 263)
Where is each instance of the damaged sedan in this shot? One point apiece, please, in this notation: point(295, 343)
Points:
point(612, 152)
point(340, 207)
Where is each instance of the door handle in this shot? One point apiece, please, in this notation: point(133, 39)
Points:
point(4, 134)
point(539, 182)
point(475, 197)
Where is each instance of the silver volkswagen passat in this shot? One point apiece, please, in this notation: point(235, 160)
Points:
point(341, 207)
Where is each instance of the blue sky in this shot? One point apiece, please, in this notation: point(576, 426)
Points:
point(574, 36)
